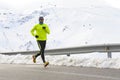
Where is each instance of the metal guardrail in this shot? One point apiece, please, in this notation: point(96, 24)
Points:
point(108, 48)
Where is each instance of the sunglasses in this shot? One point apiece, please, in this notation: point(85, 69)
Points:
point(41, 19)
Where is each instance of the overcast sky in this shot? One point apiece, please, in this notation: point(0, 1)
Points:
point(32, 4)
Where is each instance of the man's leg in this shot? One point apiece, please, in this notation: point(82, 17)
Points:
point(35, 56)
point(43, 45)
point(39, 45)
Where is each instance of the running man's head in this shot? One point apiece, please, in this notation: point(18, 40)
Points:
point(41, 20)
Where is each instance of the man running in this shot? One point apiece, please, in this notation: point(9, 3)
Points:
point(40, 31)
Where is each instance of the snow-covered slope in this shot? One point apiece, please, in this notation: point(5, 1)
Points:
point(86, 25)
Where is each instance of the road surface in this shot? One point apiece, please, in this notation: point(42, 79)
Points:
point(38, 72)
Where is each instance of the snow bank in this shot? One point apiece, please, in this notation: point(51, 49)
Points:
point(83, 60)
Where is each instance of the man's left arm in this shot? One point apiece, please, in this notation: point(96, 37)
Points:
point(47, 29)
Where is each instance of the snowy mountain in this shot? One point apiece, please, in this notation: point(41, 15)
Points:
point(86, 25)
point(73, 23)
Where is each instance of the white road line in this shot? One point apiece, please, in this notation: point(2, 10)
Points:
point(78, 74)
point(74, 74)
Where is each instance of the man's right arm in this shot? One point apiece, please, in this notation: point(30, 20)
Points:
point(33, 31)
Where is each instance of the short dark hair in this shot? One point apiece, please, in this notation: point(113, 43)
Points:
point(41, 17)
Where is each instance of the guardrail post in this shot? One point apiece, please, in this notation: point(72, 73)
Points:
point(109, 54)
point(68, 54)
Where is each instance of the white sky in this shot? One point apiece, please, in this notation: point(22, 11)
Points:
point(32, 4)
point(22, 4)
point(114, 3)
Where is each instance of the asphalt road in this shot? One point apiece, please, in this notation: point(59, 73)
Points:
point(38, 72)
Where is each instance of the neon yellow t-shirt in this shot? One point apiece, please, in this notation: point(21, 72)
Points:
point(40, 32)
